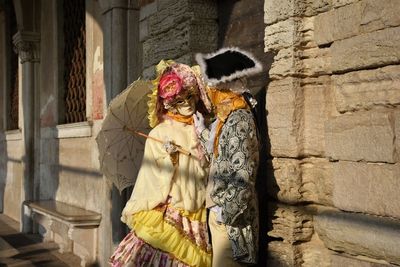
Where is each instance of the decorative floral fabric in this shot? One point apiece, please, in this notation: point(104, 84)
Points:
point(165, 236)
point(233, 175)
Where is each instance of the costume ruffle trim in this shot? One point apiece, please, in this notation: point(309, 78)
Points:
point(163, 234)
point(133, 249)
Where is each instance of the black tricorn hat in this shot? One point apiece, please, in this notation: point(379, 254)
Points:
point(227, 64)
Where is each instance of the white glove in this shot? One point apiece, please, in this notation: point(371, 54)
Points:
point(198, 120)
point(213, 131)
point(170, 147)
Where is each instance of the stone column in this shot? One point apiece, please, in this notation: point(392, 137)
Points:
point(27, 47)
point(120, 23)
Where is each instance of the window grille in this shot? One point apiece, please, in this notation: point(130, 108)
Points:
point(13, 85)
point(74, 60)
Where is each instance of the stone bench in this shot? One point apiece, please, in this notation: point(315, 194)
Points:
point(73, 229)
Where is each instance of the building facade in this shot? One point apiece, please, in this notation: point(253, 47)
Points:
point(328, 98)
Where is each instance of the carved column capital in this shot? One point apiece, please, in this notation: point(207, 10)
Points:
point(26, 44)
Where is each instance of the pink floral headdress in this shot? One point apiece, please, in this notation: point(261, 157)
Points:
point(174, 79)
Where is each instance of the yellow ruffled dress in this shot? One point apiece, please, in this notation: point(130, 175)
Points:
point(166, 211)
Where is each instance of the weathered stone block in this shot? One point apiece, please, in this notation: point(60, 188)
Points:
point(367, 50)
point(291, 224)
point(281, 35)
point(368, 88)
point(281, 10)
point(180, 40)
point(172, 13)
point(355, 19)
point(286, 63)
point(338, 24)
point(314, 253)
point(367, 188)
point(296, 181)
point(299, 62)
point(364, 136)
point(360, 234)
point(282, 254)
point(148, 10)
point(339, 3)
point(287, 180)
point(345, 260)
point(285, 112)
point(317, 186)
point(315, 115)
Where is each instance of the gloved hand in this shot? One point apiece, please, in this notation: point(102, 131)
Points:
point(170, 147)
point(198, 120)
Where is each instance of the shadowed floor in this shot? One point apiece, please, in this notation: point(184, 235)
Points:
point(23, 250)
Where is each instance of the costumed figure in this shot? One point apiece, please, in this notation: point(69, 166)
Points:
point(232, 144)
point(166, 211)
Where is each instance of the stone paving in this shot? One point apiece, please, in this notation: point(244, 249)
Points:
point(27, 250)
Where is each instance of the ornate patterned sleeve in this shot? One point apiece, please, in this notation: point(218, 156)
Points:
point(235, 169)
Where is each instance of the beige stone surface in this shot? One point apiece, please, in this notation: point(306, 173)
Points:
point(281, 34)
point(369, 50)
point(367, 188)
point(286, 181)
point(281, 10)
point(317, 186)
point(316, 112)
point(301, 62)
point(13, 180)
point(314, 253)
point(362, 136)
point(360, 234)
point(282, 254)
point(284, 107)
point(339, 3)
point(368, 88)
point(286, 63)
point(79, 183)
point(290, 223)
point(355, 19)
point(295, 181)
point(347, 260)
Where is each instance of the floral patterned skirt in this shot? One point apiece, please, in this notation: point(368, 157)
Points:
point(165, 236)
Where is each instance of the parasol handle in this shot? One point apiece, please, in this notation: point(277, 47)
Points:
point(183, 151)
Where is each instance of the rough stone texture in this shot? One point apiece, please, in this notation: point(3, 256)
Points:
point(293, 32)
point(355, 19)
point(363, 136)
point(294, 62)
point(339, 3)
point(147, 10)
point(282, 254)
point(346, 260)
point(284, 107)
point(281, 10)
point(315, 115)
point(396, 119)
point(367, 188)
point(369, 50)
point(287, 180)
point(360, 234)
point(368, 88)
point(315, 254)
point(291, 224)
point(179, 28)
point(295, 181)
point(280, 35)
point(317, 186)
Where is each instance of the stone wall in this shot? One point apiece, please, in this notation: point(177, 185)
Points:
point(172, 29)
point(333, 122)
